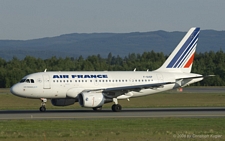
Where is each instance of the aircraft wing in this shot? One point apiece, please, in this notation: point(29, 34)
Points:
point(136, 87)
point(117, 91)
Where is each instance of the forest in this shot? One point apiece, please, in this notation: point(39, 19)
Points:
point(208, 63)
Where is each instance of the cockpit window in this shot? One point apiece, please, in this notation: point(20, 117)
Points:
point(23, 80)
point(32, 80)
point(27, 81)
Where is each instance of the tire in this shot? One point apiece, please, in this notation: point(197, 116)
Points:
point(42, 109)
point(116, 107)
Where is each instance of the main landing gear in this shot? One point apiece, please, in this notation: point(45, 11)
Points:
point(43, 103)
point(116, 107)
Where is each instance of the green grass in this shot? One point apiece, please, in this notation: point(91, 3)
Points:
point(125, 129)
point(166, 99)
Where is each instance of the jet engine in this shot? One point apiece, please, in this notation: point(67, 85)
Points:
point(63, 102)
point(92, 99)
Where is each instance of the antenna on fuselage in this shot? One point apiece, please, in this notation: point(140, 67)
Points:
point(134, 69)
point(45, 70)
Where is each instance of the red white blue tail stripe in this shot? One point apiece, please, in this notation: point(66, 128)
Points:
point(185, 56)
point(182, 57)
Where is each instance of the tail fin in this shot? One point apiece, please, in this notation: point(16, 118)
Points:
point(181, 59)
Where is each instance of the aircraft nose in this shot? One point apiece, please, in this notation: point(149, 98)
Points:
point(15, 90)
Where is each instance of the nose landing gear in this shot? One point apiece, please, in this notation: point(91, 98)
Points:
point(43, 103)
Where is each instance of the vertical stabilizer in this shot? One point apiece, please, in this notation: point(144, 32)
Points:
point(181, 59)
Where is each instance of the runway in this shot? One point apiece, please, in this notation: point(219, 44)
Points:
point(125, 113)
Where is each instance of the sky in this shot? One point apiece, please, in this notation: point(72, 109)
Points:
point(32, 19)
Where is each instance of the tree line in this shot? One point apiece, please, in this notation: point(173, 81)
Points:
point(204, 63)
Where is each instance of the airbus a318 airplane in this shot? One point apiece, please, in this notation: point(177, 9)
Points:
point(93, 89)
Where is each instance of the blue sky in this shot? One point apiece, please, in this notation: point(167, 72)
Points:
point(31, 19)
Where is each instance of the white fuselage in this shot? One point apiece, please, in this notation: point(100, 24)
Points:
point(55, 85)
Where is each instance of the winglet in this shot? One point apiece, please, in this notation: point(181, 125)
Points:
point(182, 57)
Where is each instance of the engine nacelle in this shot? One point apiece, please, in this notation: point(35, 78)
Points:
point(63, 102)
point(91, 99)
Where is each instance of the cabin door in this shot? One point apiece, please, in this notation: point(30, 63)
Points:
point(46, 82)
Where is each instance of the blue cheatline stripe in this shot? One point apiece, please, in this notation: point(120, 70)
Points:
point(187, 51)
point(179, 53)
point(188, 55)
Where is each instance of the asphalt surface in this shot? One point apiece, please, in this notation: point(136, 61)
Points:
point(125, 113)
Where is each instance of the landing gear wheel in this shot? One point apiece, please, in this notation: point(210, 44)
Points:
point(97, 108)
point(43, 103)
point(116, 107)
point(42, 109)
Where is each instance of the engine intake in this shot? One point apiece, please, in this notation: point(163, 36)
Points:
point(91, 99)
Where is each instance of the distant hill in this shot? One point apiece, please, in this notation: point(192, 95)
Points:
point(75, 45)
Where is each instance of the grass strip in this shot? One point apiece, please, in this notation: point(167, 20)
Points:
point(126, 129)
